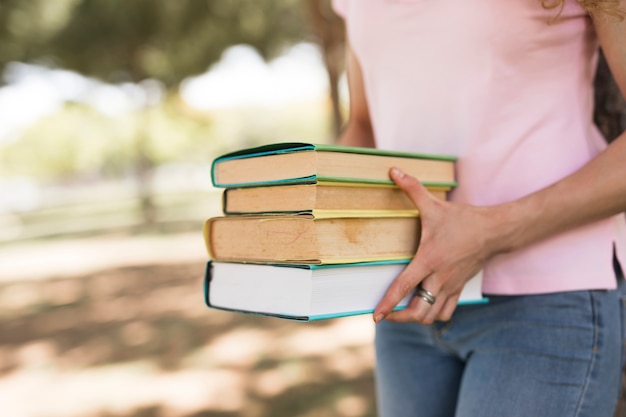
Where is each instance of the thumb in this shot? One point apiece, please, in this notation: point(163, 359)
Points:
point(411, 186)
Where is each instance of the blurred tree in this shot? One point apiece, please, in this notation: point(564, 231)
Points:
point(58, 149)
point(71, 151)
point(117, 41)
point(26, 27)
point(328, 29)
point(168, 41)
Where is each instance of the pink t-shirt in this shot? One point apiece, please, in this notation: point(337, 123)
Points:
point(506, 86)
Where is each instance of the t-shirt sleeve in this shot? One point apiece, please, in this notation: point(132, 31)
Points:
point(340, 7)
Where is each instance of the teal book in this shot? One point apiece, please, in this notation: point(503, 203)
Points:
point(308, 292)
point(295, 162)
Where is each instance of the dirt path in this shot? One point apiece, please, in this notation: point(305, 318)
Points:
point(117, 327)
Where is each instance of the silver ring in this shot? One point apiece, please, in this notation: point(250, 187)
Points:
point(425, 295)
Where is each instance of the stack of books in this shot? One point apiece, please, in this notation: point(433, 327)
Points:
point(315, 231)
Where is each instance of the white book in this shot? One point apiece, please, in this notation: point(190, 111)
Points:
point(309, 292)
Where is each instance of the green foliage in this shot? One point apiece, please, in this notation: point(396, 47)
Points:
point(27, 26)
point(131, 41)
point(178, 135)
point(119, 40)
point(75, 140)
point(78, 141)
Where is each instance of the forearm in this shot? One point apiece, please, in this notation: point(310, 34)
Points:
point(358, 131)
point(596, 191)
point(357, 134)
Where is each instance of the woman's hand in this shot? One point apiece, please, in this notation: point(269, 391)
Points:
point(455, 242)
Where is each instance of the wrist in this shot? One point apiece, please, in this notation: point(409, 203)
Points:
point(505, 230)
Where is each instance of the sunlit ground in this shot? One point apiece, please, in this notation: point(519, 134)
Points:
point(116, 326)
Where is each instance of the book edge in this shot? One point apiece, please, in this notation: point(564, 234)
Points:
point(384, 152)
point(313, 178)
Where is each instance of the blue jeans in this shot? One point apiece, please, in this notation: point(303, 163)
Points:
point(552, 355)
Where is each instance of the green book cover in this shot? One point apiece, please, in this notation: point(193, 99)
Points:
point(295, 147)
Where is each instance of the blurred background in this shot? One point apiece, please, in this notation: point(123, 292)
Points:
point(110, 114)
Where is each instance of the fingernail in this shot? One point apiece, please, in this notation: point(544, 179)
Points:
point(378, 318)
point(397, 173)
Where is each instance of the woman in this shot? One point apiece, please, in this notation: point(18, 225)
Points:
point(506, 86)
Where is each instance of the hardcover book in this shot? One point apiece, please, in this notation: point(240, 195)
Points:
point(306, 239)
point(308, 292)
point(323, 199)
point(283, 163)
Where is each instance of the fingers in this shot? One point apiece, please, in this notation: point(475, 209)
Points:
point(423, 268)
point(415, 272)
point(421, 311)
point(418, 310)
point(446, 311)
point(411, 186)
point(402, 286)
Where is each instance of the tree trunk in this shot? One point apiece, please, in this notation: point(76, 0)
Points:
point(145, 167)
point(329, 30)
